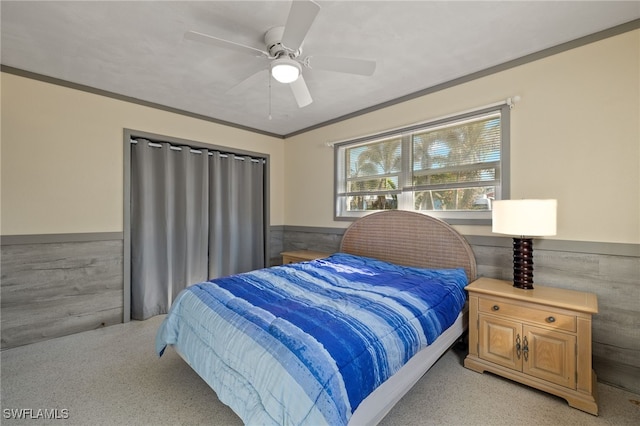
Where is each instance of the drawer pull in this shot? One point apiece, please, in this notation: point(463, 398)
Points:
point(551, 319)
point(495, 307)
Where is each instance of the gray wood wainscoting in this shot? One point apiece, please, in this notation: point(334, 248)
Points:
point(57, 285)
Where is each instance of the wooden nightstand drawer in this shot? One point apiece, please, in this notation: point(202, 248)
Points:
point(533, 315)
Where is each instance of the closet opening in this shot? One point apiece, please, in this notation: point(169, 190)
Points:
point(192, 212)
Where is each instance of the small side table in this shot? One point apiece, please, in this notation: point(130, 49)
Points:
point(302, 256)
point(539, 337)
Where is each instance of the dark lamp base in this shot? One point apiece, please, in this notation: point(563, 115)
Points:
point(523, 263)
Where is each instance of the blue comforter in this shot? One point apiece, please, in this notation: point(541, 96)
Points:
point(305, 343)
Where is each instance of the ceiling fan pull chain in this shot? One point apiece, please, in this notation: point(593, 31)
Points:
point(269, 77)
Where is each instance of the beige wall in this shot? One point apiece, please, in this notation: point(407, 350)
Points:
point(62, 156)
point(575, 136)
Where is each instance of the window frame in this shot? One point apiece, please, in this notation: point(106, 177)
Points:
point(405, 190)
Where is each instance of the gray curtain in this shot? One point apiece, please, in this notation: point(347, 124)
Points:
point(195, 215)
point(236, 209)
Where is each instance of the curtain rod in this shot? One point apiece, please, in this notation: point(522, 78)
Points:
point(197, 151)
point(511, 101)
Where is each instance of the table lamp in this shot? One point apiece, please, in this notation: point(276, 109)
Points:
point(525, 218)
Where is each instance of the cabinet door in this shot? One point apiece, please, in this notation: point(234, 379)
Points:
point(498, 341)
point(550, 355)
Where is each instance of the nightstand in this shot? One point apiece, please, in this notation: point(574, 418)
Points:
point(302, 256)
point(539, 337)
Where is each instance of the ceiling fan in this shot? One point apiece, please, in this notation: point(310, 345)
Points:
point(284, 50)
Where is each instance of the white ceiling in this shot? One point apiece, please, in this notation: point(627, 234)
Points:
point(136, 49)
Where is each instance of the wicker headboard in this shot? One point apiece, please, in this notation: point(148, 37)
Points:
point(411, 239)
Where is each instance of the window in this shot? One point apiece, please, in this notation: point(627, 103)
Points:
point(450, 168)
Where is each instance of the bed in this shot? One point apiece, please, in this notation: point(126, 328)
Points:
point(330, 341)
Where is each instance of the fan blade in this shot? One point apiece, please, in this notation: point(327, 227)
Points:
point(218, 42)
point(301, 16)
point(249, 82)
point(301, 92)
point(346, 65)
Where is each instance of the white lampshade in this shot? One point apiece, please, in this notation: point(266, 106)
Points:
point(285, 70)
point(533, 218)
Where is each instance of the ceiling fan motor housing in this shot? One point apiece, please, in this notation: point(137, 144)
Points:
point(273, 41)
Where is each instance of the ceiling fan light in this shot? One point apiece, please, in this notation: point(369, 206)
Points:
point(285, 70)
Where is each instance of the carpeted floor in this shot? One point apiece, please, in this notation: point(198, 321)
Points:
point(112, 376)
